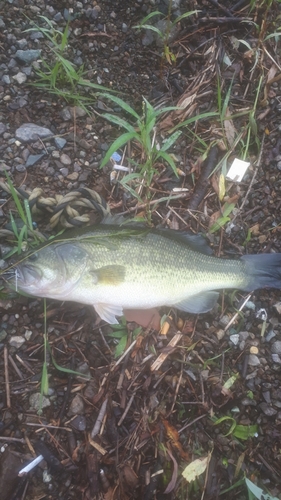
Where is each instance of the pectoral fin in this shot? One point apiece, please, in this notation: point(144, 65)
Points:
point(108, 312)
point(109, 275)
point(200, 303)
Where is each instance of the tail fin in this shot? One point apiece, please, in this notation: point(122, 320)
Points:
point(263, 270)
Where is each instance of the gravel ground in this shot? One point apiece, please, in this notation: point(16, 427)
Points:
point(129, 427)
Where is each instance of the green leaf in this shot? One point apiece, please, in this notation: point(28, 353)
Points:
point(186, 14)
point(171, 140)
point(169, 160)
point(258, 492)
point(120, 348)
point(44, 380)
point(152, 28)
point(219, 224)
point(122, 105)
point(228, 209)
point(203, 116)
point(119, 121)
point(245, 431)
point(118, 143)
point(149, 16)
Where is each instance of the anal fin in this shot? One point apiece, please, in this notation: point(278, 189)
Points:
point(108, 312)
point(200, 303)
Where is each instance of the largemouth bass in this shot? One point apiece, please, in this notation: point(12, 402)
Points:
point(119, 267)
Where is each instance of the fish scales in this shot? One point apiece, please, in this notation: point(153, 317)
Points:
point(115, 268)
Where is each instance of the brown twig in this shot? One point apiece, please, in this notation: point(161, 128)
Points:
point(203, 181)
point(7, 383)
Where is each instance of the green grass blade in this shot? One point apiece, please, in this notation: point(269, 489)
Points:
point(203, 116)
point(119, 121)
point(122, 105)
point(171, 140)
point(118, 143)
point(169, 160)
point(186, 14)
point(146, 18)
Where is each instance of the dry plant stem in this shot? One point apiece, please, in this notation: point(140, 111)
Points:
point(221, 7)
point(17, 370)
point(127, 408)
point(237, 313)
point(97, 426)
point(252, 180)
point(12, 440)
point(7, 384)
point(203, 181)
point(193, 422)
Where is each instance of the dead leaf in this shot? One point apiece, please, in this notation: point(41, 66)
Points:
point(173, 435)
point(130, 476)
point(271, 73)
point(172, 483)
point(196, 468)
point(229, 128)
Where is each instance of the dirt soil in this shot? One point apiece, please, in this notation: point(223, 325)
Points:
point(206, 387)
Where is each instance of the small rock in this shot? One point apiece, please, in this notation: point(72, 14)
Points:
point(65, 114)
point(60, 142)
point(267, 410)
point(20, 77)
point(73, 177)
point(3, 335)
point(77, 406)
point(35, 35)
point(253, 360)
point(30, 132)
point(6, 80)
point(58, 17)
point(27, 56)
point(79, 423)
point(32, 159)
point(3, 128)
point(64, 171)
point(16, 341)
point(36, 403)
point(65, 159)
point(22, 43)
point(254, 350)
point(28, 334)
point(276, 347)
point(234, 338)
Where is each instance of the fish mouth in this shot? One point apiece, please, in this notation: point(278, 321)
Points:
point(27, 274)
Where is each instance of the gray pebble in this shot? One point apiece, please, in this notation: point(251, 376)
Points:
point(16, 341)
point(253, 360)
point(3, 128)
point(64, 171)
point(35, 35)
point(20, 77)
point(276, 347)
point(58, 17)
point(22, 43)
point(29, 132)
point(60, 142)
point(36, 402)
point(77, 406)
point(32, 159)
point(3, 335)
point(27, 56)
point(6, 79)
point(79, 423)
point(267, 410)
point(65, 159)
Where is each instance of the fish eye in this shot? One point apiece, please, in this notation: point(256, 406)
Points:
point(33, 257)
